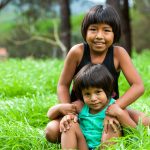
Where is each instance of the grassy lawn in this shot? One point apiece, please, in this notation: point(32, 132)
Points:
point(28, 89)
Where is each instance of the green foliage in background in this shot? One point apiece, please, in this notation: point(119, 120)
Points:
point(140, 17)
point(28, 89)
point(20, 27)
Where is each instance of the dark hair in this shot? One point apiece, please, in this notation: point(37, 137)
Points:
point(93, 75)
point(102, 14)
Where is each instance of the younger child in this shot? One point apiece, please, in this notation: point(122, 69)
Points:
point(94, 85)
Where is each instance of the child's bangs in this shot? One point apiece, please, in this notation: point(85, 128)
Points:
point(89, 81)
point(101, 17)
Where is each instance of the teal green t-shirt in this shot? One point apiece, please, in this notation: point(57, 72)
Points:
point(92, 125)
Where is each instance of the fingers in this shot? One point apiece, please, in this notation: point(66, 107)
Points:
point(108, 109)
point(106, 125)
point(114, 127)
point(117, 123)
point(109, 123)
point(69, 108)
point(74, 108)
point(114, 124)
point(109, 112)
point(65, 123)
point(75, 118)
point(106, 128)
point(62, 126)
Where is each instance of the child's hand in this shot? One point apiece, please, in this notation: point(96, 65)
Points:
point(65, 122)
point(111, 121)
point(68, 108)
point(113, 110)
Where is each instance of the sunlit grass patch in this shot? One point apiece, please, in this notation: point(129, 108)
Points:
point(28, 89)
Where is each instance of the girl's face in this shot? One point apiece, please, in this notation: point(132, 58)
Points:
point(99, 37)
point(95, 98)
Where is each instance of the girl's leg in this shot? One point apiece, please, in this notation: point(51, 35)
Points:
point(136, 116)
point(52, 132)
point(73, 138)
point(110, 134)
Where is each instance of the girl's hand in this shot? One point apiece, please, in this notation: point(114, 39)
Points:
point(113, 110)
point(65, 122)
point(68, 108)
point(112, 122)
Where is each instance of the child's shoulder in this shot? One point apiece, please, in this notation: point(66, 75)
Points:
point(76, 51)
point(120, 57)
point(77, 48)
point(120, 52)
point(119, 49)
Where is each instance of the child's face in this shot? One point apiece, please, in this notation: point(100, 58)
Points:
point(95, 98)
point(99, 37)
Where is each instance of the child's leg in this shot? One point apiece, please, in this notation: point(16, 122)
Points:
point(52, 132)
point(73, 138)
point(110, 134)
point(136, 115)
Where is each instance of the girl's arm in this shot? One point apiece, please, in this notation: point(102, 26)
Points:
point(60, 110)
point(65, 122)
point(54, 112)
point(136, 85)
point(123, 117)
point(71, 62)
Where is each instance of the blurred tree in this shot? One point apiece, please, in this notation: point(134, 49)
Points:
point(3, 3)
point(122, 7)
point(33, 9)
point(140, 23)
point(35, 27)
point(65, 23)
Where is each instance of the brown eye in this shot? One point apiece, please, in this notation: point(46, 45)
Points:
point(107, 30)
point(86, 94)
point(98, 91)
point(92, 29)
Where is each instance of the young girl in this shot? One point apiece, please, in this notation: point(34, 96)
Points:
point(94, 85)
point(100, 29)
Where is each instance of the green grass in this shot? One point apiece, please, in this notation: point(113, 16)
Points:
point(28, 89)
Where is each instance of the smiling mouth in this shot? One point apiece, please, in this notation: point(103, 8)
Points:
point(95, 104)
point(99, 43)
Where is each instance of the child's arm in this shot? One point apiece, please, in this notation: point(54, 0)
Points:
point(123, 117)
point(65, 122)
point(71, 62)
point(136, 88)
point(60, 109)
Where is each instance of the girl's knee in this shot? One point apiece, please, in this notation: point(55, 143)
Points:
point(52, 133)
point(74, 124)
point(139, 117)
point(74, 128)
point(135, 115)
point(145, 120)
